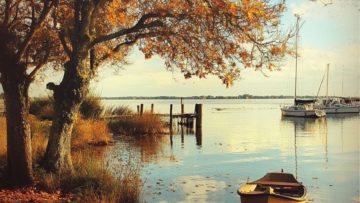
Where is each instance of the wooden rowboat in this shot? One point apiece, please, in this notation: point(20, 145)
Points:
point(273, 188)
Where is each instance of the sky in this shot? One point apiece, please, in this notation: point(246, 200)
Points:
point(329, 35)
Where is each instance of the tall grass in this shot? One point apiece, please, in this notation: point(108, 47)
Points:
point(138, 126)
point(2, 145)
point(118, 111)
point(93, 132)
point(39, 137)
point(92, 181)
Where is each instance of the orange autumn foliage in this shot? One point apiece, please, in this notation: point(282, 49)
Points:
point(200, 38)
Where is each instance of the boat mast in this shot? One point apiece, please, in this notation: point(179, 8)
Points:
point(327, 81)
point(296, 52)
point(342, 83)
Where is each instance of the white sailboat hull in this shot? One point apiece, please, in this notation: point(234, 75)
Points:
point(315, 113)
point(342, 109)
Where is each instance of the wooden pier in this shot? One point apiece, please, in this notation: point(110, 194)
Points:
point(186, 119)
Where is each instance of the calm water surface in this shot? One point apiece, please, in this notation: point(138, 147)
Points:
point(244, 139)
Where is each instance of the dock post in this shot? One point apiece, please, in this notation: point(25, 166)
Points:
point(152, 108)
point(182, 112)
point(138, 109)
point(141, 109)
point(171, 117)
point(198, 130)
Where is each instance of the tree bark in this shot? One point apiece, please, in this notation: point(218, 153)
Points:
point(68, 96)
point(19, 159)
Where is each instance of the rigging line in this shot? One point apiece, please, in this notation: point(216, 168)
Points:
point(317, 95)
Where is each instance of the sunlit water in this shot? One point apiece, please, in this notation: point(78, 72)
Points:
point(244, 139)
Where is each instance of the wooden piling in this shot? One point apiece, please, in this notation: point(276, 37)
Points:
point(171, 116)
point(138, 109)
point(198, 130)
point(198, 113)
point(141, 109)
point(152, 108)
point(182, 113)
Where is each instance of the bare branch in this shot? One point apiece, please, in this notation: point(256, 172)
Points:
point(118, 47)
point(36, 24)
point(138, 26)
point(40, 65)
point(67, 49)
point(7, 12)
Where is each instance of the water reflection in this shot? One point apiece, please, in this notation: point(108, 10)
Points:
point(189, 132)
point(248, 139)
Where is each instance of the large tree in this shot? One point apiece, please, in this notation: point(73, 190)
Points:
point(25, 46)
point(199, 37)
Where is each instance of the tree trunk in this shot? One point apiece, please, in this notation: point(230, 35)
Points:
point(19, 160)
point(68, 97)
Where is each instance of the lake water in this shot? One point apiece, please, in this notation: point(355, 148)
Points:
point(242, 140)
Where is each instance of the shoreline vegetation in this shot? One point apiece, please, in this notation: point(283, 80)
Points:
point(92, 180)
point(245, 96)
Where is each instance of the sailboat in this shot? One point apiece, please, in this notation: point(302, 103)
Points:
point(336, 105)
point(301, 108)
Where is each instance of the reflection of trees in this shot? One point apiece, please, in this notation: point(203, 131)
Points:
point(150, 148)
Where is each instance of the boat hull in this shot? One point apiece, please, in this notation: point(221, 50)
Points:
point(303, 113)
point(341, 110)
point(268, 199)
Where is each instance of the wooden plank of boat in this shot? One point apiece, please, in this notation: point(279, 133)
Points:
point(273, 187)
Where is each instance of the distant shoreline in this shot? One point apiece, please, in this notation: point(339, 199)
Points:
point(204, 97)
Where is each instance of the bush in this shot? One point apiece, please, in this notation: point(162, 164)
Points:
point(118, 111)
point(91, 107)
point(42, 107)
point(147, 124)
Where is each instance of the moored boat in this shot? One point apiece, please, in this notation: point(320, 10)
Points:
point(302, 111)
point(338, 106)
point(301, 108)
point(273, 188)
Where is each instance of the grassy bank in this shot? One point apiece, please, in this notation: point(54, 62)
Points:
point(91, 180)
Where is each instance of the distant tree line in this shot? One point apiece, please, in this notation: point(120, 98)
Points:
point(244, 96)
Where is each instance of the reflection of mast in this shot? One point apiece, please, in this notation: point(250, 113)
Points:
point(342, 135)
point(326, 145)
point(296, 166)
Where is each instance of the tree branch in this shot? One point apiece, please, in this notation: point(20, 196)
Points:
point(67, 50)
point(7, 12)
point(48, 4)
point(131, 42)
point(41, 64)
point(138, 26)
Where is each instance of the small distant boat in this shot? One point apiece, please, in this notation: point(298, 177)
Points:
point(273, 188)
point(338, 106)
